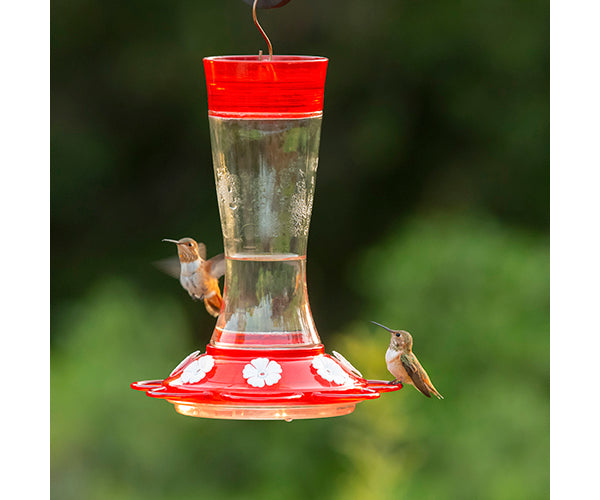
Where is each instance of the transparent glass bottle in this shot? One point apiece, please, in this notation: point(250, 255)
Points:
point(265, 171)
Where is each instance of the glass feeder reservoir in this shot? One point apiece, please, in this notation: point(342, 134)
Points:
point(265, 360)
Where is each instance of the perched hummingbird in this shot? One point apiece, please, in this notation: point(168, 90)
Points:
point(200, 277)
point(404, 365)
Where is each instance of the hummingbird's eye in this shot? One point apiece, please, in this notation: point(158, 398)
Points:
point(189, 244)
point(397, 335)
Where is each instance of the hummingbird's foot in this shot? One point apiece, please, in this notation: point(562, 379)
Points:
point(394, 382)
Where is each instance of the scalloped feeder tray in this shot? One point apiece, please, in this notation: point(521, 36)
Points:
point(283, 384)
point(265, 360)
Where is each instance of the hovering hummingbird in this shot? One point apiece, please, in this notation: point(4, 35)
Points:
point(199, 276)
point(404, 365)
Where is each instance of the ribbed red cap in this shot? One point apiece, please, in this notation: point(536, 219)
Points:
point(246, 87)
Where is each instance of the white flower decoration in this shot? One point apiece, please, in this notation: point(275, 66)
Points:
point(262, 371)
point(196, 370)
point(328, 369)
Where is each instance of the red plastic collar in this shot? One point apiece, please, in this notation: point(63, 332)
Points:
point(246, 87)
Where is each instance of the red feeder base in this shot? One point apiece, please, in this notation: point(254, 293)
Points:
point(265, 384)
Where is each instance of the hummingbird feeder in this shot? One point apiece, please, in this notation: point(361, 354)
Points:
point(265, 360)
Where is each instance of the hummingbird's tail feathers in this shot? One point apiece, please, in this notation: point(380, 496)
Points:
point(170, 266)
point(430, 390)
point(212, 310)
point(436, 393)
point(213, 304)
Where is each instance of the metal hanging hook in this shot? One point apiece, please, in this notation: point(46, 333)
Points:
point(262, 33)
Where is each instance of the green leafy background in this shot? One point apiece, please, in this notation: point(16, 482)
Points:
point(430, 214)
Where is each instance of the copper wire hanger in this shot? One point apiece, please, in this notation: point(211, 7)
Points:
point(262, 33)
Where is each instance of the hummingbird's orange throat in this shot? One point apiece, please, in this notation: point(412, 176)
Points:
point(187, 254)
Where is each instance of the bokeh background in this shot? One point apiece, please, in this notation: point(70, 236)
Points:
point(431, 214)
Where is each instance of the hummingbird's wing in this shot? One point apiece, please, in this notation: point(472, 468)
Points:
point(215, 266)
point(418, 375)
point(202, 250)
point(170, 266)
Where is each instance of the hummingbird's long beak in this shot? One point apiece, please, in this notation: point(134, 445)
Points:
point(172, 241)
point(388, 329)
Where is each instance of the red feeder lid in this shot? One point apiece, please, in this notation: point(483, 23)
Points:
point(265, 384)
point(249, 87)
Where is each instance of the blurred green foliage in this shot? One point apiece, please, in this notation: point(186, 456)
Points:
point(431, 214)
